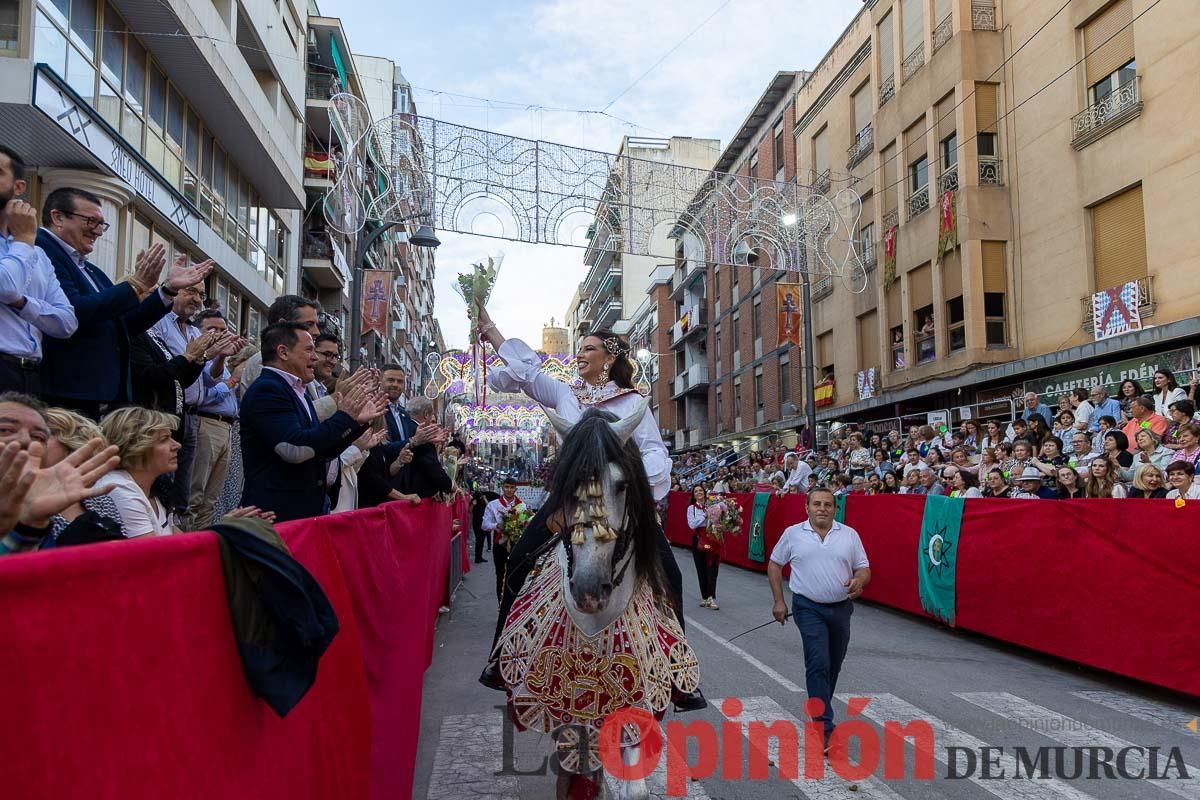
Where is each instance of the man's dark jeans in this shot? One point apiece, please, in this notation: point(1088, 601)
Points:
point(825, 630)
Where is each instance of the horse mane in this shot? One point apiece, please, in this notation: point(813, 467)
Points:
point(585, 454)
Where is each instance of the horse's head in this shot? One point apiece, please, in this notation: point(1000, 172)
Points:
point(600, 487)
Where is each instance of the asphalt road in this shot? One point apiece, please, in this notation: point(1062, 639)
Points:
point(973, 692)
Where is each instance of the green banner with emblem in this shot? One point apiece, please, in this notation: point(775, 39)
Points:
point(937, 555)
point(758, 538)
point(839, 514)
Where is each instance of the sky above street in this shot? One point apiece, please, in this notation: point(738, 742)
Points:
point(508, 66)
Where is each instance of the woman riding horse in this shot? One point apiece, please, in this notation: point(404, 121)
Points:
point(606, 382)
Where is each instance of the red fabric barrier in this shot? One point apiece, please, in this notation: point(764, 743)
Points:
point(125, 681)
point(1084, 580)
point(1108, 583)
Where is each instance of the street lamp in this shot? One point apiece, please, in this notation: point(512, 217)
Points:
point(810, 372)
point(424, 237)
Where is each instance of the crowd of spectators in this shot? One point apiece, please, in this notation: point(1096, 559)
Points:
point(133, 408)
point(1143, 445)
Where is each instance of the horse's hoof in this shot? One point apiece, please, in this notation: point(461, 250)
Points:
point(688, 701)
point(490, 677)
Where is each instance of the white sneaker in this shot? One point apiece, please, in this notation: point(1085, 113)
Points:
point(704, 603)
point(712, 603)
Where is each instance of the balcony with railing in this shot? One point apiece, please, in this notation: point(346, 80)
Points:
point(692, 379)
point(861, 148)
point(991, 171)
point(887, 89)
point(1146, 303)
point(869, 254)
point(983, 15)
point(943, 33)
point(693, 322)
point(822, 287)
point(1107, 114)
point(948, 180)
point(891, 219)
point(685, 274)
point(918, 202)
point(822, 182)
point(913, 62)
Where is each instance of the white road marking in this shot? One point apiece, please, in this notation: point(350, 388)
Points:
point(889, 708)
point(469, 754)
point(830, 787)
point(749, 659)
point(1073, 733)
point(1160, 714)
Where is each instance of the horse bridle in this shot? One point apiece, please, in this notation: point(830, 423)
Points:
point(590, 497)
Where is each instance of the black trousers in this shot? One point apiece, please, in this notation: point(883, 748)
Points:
point(707, 565)
point(480, 539)
point(500, 559)
point(520, 562)
point(15, 378)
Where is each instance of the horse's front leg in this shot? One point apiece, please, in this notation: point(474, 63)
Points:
point(632, 789)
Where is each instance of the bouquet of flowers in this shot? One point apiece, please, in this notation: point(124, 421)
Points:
point(724, 517)
point(513, 525)
point(475, 287)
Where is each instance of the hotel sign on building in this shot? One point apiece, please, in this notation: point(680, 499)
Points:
point(77, 118)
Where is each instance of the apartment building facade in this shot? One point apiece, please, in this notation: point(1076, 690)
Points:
point(185, 119)
point(327, 268)
point(1051, 138)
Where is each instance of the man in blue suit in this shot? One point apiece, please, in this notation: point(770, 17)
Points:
point(91, 370)
point(402, 428)
point(286, 449)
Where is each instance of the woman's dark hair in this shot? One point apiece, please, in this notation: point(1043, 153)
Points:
point(1080, 393)
point(1185, 407)
point(1172, 384)
point(699, 486)
point(586, 452)
point(1138, 391)
point(968, 478)
point(1120, 438)
point(1181, 466)
point(621, 372)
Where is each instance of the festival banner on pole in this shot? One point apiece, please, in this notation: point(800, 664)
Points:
point(758, 542)
point(787, 300)
point(1116, 311)
point(938, 554)
point(376, 300)
point(889, 257)
point(947, 225)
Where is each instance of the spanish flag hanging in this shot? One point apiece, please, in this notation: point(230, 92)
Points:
point(889, 257)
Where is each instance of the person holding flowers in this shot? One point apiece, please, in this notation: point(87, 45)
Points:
point(706, 548)
point(505, 518)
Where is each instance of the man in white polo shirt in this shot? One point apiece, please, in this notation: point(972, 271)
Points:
point(829, 570)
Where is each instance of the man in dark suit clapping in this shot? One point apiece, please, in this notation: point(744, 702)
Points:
point(92, 369)
point(286, 449)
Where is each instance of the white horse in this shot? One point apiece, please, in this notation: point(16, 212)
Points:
point(589, 619)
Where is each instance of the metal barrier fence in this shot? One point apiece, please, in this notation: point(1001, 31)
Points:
point(456, 568)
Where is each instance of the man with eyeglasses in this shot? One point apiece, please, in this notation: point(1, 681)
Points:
point(32, 304)
point(91, 370)
point(175, 332)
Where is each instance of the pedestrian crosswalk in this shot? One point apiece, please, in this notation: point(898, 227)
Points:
point(1027, 736)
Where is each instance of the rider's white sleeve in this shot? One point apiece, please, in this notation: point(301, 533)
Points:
point(522, 372)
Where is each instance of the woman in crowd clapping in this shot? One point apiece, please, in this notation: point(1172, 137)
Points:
point(1148, 482)
point(92, 519)
point(1151, 451)
point(1101, 480)
point(1181, 477)
point(706, 550)
point(1068, 484)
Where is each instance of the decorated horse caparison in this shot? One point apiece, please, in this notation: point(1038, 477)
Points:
point(592, 630)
